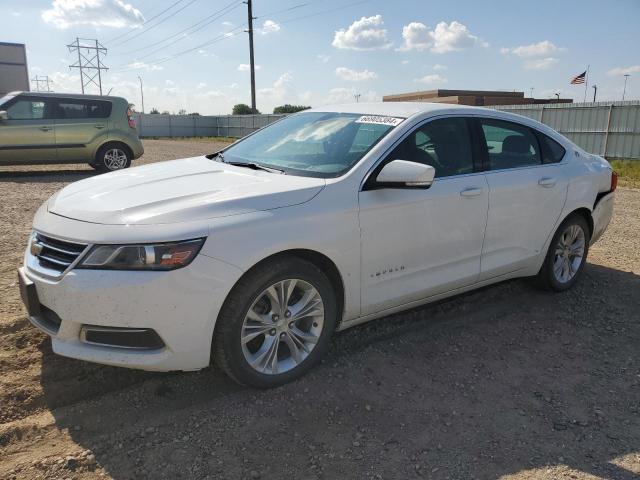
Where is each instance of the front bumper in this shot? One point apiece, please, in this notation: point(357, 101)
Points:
point(181, 306)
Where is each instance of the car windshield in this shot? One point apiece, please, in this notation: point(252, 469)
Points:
point(5, 99)
point(313, 144)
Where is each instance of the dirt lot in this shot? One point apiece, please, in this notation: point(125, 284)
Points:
point(506, 382)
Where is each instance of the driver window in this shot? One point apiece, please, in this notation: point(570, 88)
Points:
point(444, 144)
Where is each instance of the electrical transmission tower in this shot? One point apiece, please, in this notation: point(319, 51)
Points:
point(89, 63)
point(42, 83)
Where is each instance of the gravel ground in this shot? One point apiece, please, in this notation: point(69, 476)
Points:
point(506, 382)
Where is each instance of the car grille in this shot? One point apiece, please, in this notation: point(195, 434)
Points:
point(55, 254)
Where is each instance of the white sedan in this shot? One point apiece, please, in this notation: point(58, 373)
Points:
point(253, 256)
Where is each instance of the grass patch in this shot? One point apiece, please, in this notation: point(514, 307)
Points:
point(628, 172)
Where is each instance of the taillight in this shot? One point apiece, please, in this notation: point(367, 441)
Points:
point(132, 122)
point(614, 181)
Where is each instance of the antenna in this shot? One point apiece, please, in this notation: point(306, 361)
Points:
point(89, 63)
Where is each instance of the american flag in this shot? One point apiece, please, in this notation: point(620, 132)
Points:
point(577, 80)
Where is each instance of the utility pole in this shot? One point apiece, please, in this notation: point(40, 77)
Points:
point(141, 93)
point(89, 63)
point(531, 92)
point(595, 89)
point(251, 60)
point(357, 96)
point(626, 76)
point(42, 80)
point(557, 95)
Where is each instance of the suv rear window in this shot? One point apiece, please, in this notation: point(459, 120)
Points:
point(81, 109)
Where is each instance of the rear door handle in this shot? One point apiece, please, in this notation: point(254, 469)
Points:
point(547, 182)
point(471, 192)
point(99, 126)
point(45, 129)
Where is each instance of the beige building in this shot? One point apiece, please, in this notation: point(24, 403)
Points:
point(14, 74)
point(471, 97)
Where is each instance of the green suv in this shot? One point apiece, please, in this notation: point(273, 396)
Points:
point(37, 127)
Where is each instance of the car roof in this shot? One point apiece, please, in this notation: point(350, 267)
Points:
point(66, 95)
point(397, 109)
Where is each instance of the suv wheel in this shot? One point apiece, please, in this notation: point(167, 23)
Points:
point(276, 323)
point(112, 157)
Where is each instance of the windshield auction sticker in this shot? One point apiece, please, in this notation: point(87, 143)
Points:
point(380, 120)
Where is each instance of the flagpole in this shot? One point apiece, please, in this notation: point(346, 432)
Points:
point(586, 84)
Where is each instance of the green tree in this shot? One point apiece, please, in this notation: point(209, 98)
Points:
point(155, 111)
point(243, 109)
point(286, 108)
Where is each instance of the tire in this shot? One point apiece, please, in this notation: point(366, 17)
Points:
point(250, 312)
point(573, 235)
point(111, 157)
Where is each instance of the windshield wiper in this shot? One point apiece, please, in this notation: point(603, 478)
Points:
point(255, 166)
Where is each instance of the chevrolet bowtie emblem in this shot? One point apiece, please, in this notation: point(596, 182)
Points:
point(36, 248)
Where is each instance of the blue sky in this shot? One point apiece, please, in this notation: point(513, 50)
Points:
point(317, 52)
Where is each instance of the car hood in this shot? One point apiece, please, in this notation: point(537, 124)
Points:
point(179, 191)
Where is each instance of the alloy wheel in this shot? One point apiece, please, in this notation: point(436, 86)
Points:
point(569, 253)
point(115, 159)
point(282, 326)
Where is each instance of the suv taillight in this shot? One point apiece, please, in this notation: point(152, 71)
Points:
point(132, 122)
point(614, 181)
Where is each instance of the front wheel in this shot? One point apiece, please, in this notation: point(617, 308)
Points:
point(111, 157)
point(276, 323)
point(567, 255)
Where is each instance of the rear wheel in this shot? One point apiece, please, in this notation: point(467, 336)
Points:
point(567, 255)
point(111, 157)
point(276, 323)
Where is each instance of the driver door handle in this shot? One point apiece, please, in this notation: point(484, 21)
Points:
point(547, 182)
point(99, 126)
point(471, 192)
point(46, 129)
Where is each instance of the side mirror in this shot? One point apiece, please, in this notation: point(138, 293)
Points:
point(404, 174)
point(4, 115)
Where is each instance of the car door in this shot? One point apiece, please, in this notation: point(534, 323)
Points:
point(27, 135)
point(79, 125)
point(526, 196)
point(418, 242)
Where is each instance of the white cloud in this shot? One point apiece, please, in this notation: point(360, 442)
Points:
point(144, 66)
point(245, 67)
point(227, 24)
point(534, 50)
point(615, 72)
point(281, 92)
point(355, 76)
point(405, 62)
point(269, 26)
point(438, 67)
point(416, 36)
point(201, 85)
point(347, 95)
point(540, 63)
point(444, 38)
point(432, 79)
point(233, 86)
point(98, 13)
point(452, 37)
point(324, 58)
point(16, 14)
point(364, 34)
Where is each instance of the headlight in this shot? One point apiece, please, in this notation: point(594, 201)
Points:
point(158, 256)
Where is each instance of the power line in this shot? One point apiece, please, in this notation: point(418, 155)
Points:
point(145, 22)
point(155, 25)
point(200, 25)
point(231, 33)
point(42, 80)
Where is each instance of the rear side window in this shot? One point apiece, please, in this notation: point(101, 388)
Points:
point(552, 151)
point(74, 109)
point(509, 145)
point(24, 109)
